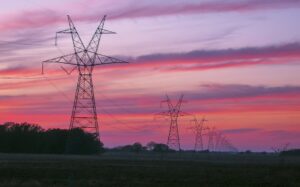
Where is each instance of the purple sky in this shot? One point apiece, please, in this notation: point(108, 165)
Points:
point(236, 61)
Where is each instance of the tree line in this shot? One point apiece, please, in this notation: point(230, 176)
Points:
point(31, 138)
point(138, 147)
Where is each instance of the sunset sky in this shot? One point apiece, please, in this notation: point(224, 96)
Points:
point(237, 62)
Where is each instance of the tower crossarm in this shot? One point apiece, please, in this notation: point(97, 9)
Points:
point(66, 59)
point(77, 42)
point(69, 59)
point(169, 103)
point(103, 60)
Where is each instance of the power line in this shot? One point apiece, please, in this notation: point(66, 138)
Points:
point(60, 91)
point(119, 121)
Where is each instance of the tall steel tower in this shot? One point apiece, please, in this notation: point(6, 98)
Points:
point(84, 58)
point(199, 128)
point(174, 112)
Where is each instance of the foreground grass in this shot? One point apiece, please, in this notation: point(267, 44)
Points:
point(153, 170)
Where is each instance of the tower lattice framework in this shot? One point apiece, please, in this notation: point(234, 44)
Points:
point(199, 128)
point(211, 135)
point(84, 59)
point(174, 113)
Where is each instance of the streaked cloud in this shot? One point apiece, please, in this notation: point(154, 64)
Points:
point(216, 59)
point(36, 18)
point(240, 130)
point(194, 60)
point(214, 91)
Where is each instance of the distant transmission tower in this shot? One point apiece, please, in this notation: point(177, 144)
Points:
point(281, 148)
point(210, 144)
point(174, 112)
point(226, 146)
point(218, 139)
point(199, 128)
point(84, 113)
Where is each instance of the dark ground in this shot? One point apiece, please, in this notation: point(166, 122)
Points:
point(150, 170)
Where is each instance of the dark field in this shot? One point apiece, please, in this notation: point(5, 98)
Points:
point(150, 170)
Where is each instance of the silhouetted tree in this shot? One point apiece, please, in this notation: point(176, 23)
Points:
point(79, 142)
point(137, 147)
point(29, 138)
point(22, 137)
point(291, 152)
point(158, 147)
point(54, 141)
point(161, 148)
point(4, 138)
point(150, 146)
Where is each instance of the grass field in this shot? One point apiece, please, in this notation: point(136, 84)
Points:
point(150, 170)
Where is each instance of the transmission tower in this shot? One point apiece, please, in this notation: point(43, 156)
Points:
point(84, 59)
point(281, 148)
point(199, 128)
point(218, 139)
point(227, 146)
point(174, 112)
point(211, 134)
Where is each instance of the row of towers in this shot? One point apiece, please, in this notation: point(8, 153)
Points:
point(84, 112)
point(215, 140)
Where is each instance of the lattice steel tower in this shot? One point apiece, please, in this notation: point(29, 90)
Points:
point(199, 128)
point(211, 134)
point(85, 58)
point(174, 112)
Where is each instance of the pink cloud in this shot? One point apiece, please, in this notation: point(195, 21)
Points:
point(40, 18)
point(31, 19)
point(214, 59)
point(141, 10)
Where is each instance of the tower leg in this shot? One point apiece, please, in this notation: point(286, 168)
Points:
point(198, 142)
point(84, 113)
point(173, 138)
